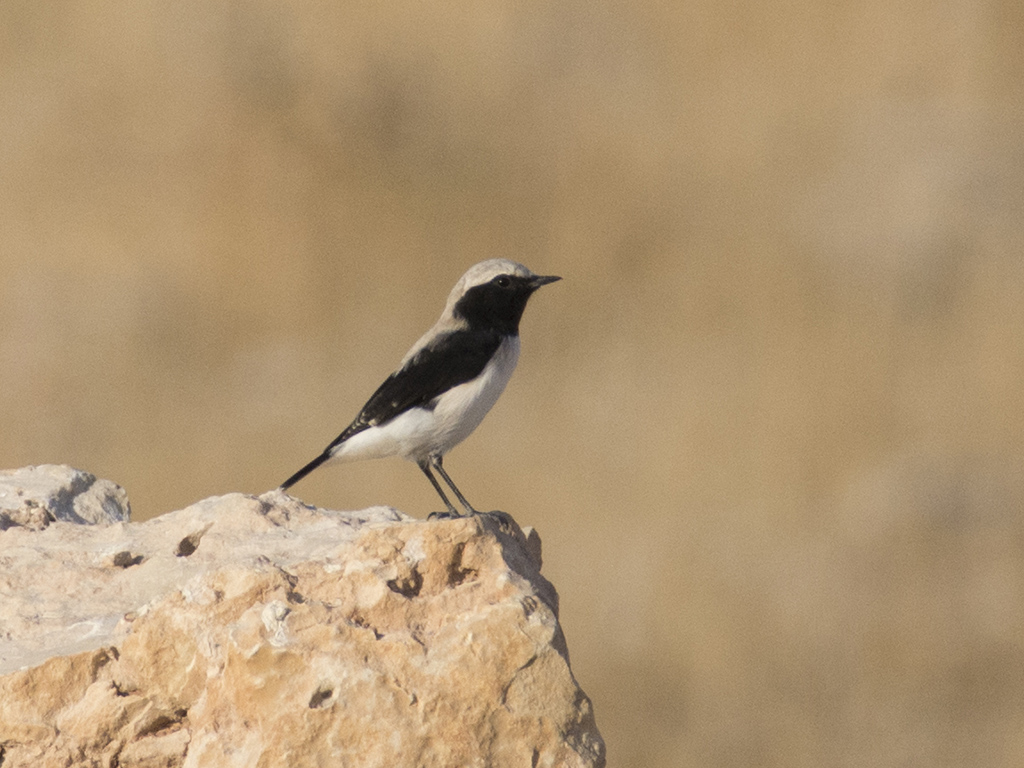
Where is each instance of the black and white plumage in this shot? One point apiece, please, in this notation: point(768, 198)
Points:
point(447, 382)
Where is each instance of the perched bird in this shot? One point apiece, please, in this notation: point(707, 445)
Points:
point(447, 382)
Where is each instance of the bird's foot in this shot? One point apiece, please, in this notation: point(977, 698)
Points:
point(505, 520)
point(448, 514)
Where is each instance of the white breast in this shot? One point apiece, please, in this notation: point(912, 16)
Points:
point(461, 409)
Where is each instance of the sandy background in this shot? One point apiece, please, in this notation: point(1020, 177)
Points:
point(770, 425)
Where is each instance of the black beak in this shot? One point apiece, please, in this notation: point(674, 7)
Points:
point(538, 280)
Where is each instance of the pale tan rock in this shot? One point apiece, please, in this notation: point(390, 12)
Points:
point(249, 631)
point(33, 497)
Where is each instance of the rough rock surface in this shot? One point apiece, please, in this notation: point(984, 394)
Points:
point(34, 497)
point(246, 631)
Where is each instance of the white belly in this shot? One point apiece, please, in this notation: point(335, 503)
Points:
point(419, 432)
point(461, 409)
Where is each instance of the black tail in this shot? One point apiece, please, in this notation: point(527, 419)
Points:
point(306, 470)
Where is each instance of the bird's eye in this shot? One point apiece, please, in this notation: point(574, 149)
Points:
point(503, 281)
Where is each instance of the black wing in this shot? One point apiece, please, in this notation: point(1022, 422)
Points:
point(452, 359)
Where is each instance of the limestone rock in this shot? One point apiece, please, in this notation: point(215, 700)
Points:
point(246, 631)
point(33, 497)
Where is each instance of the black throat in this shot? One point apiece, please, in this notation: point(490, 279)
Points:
point(492, 307)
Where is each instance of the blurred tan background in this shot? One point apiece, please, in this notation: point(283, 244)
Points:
point(769, 426)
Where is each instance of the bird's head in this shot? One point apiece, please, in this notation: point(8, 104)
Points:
point(493, 294)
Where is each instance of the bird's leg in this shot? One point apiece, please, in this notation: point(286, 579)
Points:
point(452, 511)
point(435, 460)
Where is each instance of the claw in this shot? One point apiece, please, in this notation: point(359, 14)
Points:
point(446, 515)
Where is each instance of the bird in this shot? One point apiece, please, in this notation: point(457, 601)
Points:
point(447, 382)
